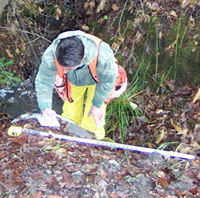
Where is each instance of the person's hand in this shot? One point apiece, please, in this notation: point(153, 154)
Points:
point(48, 118)
point(97, 114)
point(49, 114)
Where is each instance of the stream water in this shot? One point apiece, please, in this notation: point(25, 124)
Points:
point(22, 99)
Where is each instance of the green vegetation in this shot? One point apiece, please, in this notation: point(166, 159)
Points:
point(7, 77)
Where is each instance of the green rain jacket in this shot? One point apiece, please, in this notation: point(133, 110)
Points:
point(107, 70)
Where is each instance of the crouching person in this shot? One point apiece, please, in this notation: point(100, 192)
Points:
point(86, 75)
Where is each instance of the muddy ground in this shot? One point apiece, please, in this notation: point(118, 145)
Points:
point(37, 167)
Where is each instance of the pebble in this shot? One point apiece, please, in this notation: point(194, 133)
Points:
point(48, 171)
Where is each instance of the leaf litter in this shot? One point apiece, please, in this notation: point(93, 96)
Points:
point(37, 167)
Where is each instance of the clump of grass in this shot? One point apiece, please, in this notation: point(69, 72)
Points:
point(121, 111)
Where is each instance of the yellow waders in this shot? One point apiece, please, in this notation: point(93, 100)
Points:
point(78, 112)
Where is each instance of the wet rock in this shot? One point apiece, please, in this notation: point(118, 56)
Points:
point(48, 171)
point(33, 190)
point(184, 183)
point(142, 186)
point(114, 164)
point(78, 176)
point(79, 131)
point(156, 158)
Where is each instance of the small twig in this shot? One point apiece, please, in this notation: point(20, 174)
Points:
point(142, 7)
point(111, 24)
point(117, 48)
point(24, 31)
point(120, 20)
point(131, 53)
point(26, 35)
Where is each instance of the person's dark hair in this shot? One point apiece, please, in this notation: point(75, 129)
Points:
point(70, 51)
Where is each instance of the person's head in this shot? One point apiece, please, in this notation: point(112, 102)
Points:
point(70, 52)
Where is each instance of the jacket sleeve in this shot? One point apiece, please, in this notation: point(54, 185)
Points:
point(107, 71)
point(44, 82)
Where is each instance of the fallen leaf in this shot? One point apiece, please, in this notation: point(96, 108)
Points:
point(176, 127)
point(162, 135)
point(194, 191)
point(101, 6)
point(113, 195)
point(173, 13)
point(133, 105)
point(60, 152)
point(114, 46)
point(85, 27)
point(121, 40)
point(160, 174)
point(115, 7)
point(196, 97)
point(37, 195)
point(138, 37)
point(89, 5)
point(9, 54)
point(161, 181)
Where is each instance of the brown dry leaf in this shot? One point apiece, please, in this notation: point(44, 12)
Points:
point(43, 142)
point(138, 37)
point(27, 126)
point(149, 145)
point(160, 174)
point(194, 191)
point(85, 27)
point(171, 46)
point(195, 146)
point(162, 135)
point(58, 13)
point(101, 6)
point(150, 6)
point(196, 97)
point(121, 40)
point(60, 152)
point(162, 181)
point(114, 46)
point(115, 7)
point(89, 5)
point(101, 20)
point(37, 195)
point(160, 35)
point(146, 18)
point(173, 13)
point(159, 111)
point(113, 195)
point(17, 51)
point(176, 127)
point(185, 149)
point(184, 3)
point(9, 54)
point(40, 9)
point(181, 194)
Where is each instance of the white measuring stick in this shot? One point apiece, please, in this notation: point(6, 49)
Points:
point(111, 144)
